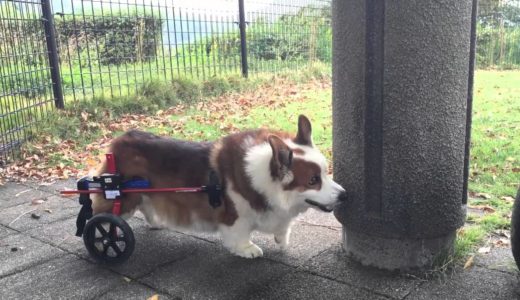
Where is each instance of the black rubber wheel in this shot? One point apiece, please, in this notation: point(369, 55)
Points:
point(108, 239)
point(515, 229)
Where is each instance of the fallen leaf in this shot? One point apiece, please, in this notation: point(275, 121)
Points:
point(48, 210)
point(505, 242)
point(154, 297)
point(84, 116)
point(503, 232)
point(483, 195)
point(508, 198)
point(37, 201)
point(484, 250)
point(469, 262)
point(484, 208)
point(22, 192)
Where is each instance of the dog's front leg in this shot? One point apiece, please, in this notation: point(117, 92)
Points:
point(237, 240)
point(281, 237)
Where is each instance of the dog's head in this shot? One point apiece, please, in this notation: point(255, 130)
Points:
point(302, 170)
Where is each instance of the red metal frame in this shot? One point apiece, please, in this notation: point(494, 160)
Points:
point(116, 208)
point(144, 190)
point(111, 168)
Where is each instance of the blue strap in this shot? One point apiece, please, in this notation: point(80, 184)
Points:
point(136, 184)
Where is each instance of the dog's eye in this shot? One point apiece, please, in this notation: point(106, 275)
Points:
point(315, 180)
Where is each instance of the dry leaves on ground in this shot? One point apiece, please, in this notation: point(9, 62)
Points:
point(508, 199)
point(484, 208)
point(77, 160)
point(469, 262)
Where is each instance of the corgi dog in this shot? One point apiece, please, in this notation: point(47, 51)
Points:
point(267, 177)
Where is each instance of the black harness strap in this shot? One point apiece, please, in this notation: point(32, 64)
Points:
point(85, 212)
point(214, 189)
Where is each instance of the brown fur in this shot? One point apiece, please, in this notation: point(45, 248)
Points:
point(174, 163)
point(230, 163)
point(303, 171)
point(167, 163)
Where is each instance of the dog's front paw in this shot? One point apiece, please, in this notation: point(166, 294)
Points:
point(248, 250)
point(282, 238)
point(282, 241)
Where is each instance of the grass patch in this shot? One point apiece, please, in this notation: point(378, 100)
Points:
point(495, 149)
point(467, 239)
point(82, 120)
point(495, 154)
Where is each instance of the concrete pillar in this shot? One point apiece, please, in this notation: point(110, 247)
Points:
point(402, 82)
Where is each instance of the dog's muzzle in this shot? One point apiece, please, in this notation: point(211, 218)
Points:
point(342, 197)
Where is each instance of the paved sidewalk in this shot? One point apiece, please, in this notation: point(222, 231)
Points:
point(40, 258)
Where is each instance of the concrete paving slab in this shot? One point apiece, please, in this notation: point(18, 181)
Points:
point(131, 290)
point(500, 259)
point(305, 242)
point(154, 248)
point(298, 285)
point(12, 194)
point(212, 273)
point(210, 237)
point(312, 216)
point(63, 278)
point(61, 234)
point(324, 229)
point(472, 284)
point(334, 263)
point(54, 208)
point(53, 187)
point(18, 252)
point(4, 231)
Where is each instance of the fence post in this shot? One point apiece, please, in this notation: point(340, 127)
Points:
point(243, 44)
point(52, 49)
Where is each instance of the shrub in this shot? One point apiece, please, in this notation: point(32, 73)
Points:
point(122, 38)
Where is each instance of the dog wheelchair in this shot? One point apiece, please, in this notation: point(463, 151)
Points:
point(108, 237)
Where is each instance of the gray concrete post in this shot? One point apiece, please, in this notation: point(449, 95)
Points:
point(402, 81)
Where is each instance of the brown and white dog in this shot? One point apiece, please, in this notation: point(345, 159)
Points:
point(269, 178)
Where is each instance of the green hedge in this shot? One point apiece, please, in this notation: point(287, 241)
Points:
point(498, 48)
point(115, 39)
point(306, 35)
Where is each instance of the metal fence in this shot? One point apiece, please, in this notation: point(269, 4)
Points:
point(25, 81)
point(111, 47)
point(498, 34)
point(56, 52)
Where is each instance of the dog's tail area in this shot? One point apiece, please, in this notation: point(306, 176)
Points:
point(129, 202)
point(99, 203)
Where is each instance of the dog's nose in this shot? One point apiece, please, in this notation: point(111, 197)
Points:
point(342, 197)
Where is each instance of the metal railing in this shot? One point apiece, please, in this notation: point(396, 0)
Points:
point(498, 34)
point(56, 52)
point(25, 75)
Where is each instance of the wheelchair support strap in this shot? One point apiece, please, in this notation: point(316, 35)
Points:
point(85, 212)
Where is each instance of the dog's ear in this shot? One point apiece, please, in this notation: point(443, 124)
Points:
point(304, 135)
point(282, 155)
